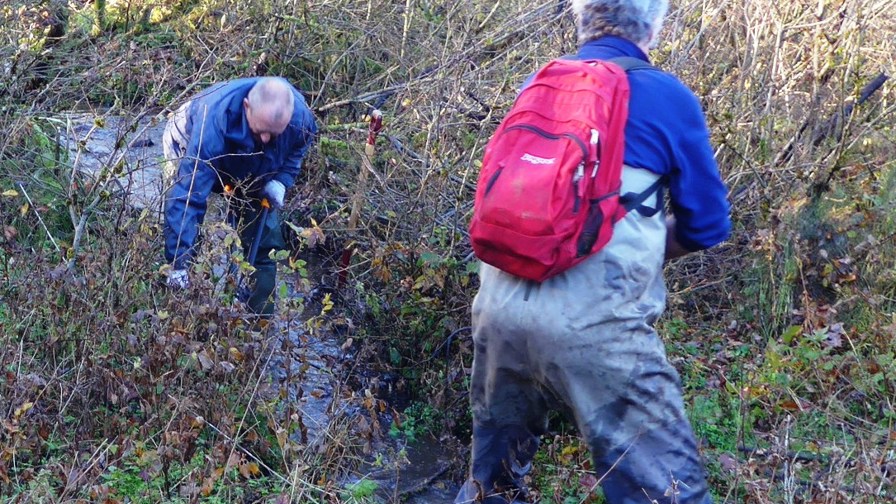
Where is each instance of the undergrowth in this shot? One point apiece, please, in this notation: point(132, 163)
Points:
point(115, 389)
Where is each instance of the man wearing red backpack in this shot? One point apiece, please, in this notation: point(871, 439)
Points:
point(581, 340)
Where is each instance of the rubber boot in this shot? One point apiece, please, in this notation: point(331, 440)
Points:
point(502, 457)
point(263, 281)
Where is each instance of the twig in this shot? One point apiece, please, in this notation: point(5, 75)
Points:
point(39, 218)
point(375, 125)
point(835, 121)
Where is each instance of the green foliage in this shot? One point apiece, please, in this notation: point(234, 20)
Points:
point(419, 419)
point(561, 472)
point(360, 492)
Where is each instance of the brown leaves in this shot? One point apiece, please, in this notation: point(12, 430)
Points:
point(10, 233)
point(728, 462)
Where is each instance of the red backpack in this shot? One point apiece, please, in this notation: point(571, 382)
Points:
point(548, 190)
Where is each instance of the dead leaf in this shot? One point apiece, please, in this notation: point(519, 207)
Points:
point(789, 405)
point(728, 462)
point(254, 470)
point(234, 460)
point(834, 336)
point(795, 405)
point(205, 360)
point(282, 438)
point(314, 234)
point(21, 410)
point(588, 481)
point(208, 486)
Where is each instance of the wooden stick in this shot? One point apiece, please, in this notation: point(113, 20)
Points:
point(374, 127)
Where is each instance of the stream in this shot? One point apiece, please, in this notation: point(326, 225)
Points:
point(311, 370)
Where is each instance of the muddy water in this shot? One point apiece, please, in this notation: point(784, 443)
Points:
point(310, 369)
point(93, 143)
point(421, 478)
point(313, 371)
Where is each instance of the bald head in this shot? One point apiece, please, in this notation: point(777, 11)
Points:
point(269, 107)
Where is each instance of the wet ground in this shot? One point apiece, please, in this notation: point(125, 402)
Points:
point(132, 147)
point(311, 370)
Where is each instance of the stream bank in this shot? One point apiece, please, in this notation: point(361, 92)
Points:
point(309, 369)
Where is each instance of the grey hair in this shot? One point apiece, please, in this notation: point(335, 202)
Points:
point(274, 96)
point(637, 20)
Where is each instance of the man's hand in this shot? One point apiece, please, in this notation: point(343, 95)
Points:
point(178, 279)
point(274, 192)
point(673, 248)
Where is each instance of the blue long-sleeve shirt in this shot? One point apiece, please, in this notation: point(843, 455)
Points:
point(666, 133)
point(222, 150)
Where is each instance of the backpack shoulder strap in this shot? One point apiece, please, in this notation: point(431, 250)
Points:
point(629, 63)
point(626, 62)
point(635, 201)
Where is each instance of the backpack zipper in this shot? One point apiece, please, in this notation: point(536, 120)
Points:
point(540, 132)
point(578, 188)
point(595, 138)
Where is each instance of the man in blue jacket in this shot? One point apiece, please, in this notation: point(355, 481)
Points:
point(582, 342)
point(245, 137)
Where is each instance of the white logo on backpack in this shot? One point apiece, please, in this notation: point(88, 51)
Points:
point(537, 160)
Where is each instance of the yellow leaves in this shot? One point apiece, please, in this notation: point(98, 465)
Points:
point(197, 422)
point(569, 451)
point(249, 470)
point(312, 235)
point(9, 193)
point(21, 410)
point(235, 354)
point(327, 304)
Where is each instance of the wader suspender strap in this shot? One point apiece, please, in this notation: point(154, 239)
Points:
point(635, 201)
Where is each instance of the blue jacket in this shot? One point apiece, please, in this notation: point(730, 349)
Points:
point(667, 134)
point(222, 151)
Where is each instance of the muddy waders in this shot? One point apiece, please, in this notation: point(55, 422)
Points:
point(582, 343)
